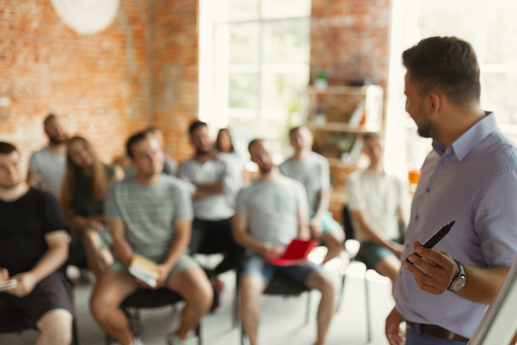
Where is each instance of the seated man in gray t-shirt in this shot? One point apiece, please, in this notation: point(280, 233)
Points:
point(270, 213)
point(149, 214)
point(312, 170)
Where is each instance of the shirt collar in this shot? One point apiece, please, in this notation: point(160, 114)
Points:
point(473, 136)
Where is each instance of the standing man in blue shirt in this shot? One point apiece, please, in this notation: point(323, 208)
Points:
point(470, 177)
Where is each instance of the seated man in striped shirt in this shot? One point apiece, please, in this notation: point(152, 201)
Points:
point(149, 214)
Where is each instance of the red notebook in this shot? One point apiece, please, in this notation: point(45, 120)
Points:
point(297, 252)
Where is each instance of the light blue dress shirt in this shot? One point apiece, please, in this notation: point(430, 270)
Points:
point(473, 182)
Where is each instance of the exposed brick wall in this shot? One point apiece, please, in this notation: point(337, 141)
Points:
point(98, 82)
point(350, 39)
point(103, 84)
point(174, 71)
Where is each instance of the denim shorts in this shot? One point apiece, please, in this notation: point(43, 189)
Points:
point(302, 273)
point(371, 253)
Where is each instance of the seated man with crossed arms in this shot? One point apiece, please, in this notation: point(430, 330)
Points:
point(150, 214)
point(274, 209)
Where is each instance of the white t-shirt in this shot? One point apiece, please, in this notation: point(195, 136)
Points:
point(215, 207)
point(272, 208)
point(380, 196)
point(235, 165)
point(313, 173)
point(51, 167)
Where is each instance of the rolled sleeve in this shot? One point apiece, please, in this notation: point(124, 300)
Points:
point(111, 209)
point(496, 220)
point(182, 204)
point(242, 202)
point(34, 163)
point(356, 200)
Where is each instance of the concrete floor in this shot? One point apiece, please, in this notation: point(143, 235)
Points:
point(282, 319)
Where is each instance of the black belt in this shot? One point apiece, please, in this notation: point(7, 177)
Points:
point(435, 331)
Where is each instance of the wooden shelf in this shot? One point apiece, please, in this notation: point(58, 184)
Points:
point(336, 127)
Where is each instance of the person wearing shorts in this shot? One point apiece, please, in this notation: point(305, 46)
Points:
point(33, 247)
point(312, 170)
point(149, 214)
point(270, 213)
point(377, 205)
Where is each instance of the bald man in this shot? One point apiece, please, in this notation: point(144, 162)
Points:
point(312, 170)
point(274, 210)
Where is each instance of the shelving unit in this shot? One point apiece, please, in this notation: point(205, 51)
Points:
point(349, 112)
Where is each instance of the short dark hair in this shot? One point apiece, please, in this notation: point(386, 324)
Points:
point(6, 148)
point(254, 141)
point(151, 129)
point(135, 138)
point(195, 125)
point(49, 118)
point(445, 64)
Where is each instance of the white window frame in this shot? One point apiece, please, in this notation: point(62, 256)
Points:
point(215, 67)
point(404, 34)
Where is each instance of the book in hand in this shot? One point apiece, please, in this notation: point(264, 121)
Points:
point(296, 253)
point(144, 269)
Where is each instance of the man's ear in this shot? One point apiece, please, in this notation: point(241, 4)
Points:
point(433, 104)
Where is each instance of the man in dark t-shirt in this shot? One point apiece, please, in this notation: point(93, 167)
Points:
point(33, 246)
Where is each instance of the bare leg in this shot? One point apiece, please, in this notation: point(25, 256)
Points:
point(335, 242)
point(111, 289)
point(193, 285)
point(326, 309)
point(55, 328)
point(98, 259)
point(389, 267)
point(252, 286)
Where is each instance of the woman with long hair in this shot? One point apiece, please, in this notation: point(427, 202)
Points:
point(226, 152)
point(85, 186)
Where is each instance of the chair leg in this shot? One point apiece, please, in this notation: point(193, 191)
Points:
point(198, 334)
point(235, 313)
point(108, 339)
point(341, 297)
point(368, 318)
point(308, 311)
point(75, 335)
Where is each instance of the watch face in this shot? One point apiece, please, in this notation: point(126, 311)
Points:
point(458, 283)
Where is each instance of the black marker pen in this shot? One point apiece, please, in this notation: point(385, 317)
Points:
point(437, 237)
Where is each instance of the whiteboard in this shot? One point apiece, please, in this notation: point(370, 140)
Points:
point(499, 325)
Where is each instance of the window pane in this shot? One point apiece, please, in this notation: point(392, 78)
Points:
point(287, 8)
point(502, 32)
point(277, 131)
point(288, 42)
point(461, 25)
point(244, 9)
point(244, 43)
point(498, 95)
point(243, 131)
point(283, 91)
point(243, 91)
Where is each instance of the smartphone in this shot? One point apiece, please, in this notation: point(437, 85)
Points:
point(9, 284)
point(437, 237)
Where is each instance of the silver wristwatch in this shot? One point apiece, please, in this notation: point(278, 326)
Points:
point(459, 282)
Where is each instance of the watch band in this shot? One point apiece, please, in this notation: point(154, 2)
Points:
point(461, 273)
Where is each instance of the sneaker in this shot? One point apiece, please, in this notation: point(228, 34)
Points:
point(174, 340)
point(217, 303)
point(137, 341)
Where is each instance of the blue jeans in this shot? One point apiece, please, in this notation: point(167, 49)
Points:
point(414, 338)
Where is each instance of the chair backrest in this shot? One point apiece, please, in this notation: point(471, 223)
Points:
point(347, 223)
point(145, 298)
